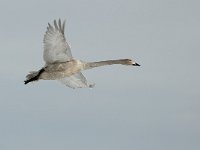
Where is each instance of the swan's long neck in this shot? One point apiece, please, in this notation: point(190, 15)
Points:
point(91, 65)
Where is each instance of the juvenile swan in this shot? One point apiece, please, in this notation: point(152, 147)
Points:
point(60, 65)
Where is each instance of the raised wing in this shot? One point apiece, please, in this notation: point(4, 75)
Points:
point(76, 81)
point(56, 49)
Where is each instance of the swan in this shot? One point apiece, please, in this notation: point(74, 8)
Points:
point(61, 65)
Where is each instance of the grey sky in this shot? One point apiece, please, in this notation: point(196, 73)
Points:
point(154, 107)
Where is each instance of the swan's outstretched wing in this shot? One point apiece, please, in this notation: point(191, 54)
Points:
point(76, 81)
point(56, 49)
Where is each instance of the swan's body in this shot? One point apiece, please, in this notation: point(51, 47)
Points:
point(60, 65)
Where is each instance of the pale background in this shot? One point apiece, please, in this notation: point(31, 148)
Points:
point(152, 107)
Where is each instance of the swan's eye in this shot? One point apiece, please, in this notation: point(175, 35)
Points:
point(128, 60)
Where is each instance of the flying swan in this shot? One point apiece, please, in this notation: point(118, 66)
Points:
point(61, 65)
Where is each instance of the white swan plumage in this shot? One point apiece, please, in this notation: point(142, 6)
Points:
point(60, 64)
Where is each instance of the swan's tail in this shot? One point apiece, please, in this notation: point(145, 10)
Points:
point(33, 76)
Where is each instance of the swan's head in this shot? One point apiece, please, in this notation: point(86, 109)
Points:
point(131, 62)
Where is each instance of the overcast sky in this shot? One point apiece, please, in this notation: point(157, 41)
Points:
point(152, 107)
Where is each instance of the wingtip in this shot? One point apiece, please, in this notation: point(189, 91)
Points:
point(55, 24)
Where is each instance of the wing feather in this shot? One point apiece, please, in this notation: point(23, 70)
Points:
point(76, 81)
point(59, 23)
point(55, 24)
point(56, 49)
